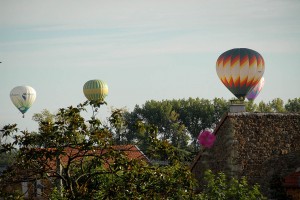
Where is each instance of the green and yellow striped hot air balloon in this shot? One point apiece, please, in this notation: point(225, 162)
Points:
point(95, 90)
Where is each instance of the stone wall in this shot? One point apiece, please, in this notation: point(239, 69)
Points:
point(260, 146)
point(219, 157)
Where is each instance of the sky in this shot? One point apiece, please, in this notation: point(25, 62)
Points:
point(142, 49)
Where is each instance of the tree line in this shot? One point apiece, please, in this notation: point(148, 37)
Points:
point(164, 130)
point(180, 121)
point(107, 175)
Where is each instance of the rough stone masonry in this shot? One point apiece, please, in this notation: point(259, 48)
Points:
point(260, 146)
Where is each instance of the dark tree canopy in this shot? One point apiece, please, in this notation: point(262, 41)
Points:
point(293, 105)
point(178, 121)
point(91, 166)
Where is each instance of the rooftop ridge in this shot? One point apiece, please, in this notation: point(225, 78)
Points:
point(262, 114)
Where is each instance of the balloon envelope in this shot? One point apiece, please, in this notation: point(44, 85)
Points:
point(253, 93)
point(95, 90)
point(240, 69)
point(23, 97)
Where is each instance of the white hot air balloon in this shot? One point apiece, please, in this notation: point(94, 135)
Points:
point(23, 97)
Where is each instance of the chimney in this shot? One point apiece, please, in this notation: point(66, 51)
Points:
point(237, 106)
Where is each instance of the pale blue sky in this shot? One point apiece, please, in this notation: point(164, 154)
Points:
point(158, 49)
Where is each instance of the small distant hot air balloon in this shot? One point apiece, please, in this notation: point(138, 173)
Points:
point(23, 97)
point(240, 70)
point(253, 93)
point(95, 90)
point(206, 139)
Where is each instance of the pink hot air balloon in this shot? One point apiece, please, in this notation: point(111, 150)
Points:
point(253, 93)
point(206, 139)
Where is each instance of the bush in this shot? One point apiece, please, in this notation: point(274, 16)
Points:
point(221, 188)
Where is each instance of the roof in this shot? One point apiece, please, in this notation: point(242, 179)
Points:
point(292, 180)
point(74, 155)
point(131, 151)
point(234, 115)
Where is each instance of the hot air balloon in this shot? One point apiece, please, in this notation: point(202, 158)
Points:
point(95, 90)
point(23, 97)
point(240, 70)
point(206, 139)
point(253, 93)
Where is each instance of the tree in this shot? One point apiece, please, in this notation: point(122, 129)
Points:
point(293, 105)
point(107, 174)
point(218, 186)
point(251, 106)
point(178, 121)
point(277, 105)
point(197, 115)
point(160, 114)
point(7, 158)
point(221, 106)
point(44, 116)
point(263, 107)
point(92, 168)
point(118, 126)
point(164, 117)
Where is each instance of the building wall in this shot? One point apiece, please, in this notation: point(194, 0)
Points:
point(263, 147)
point(219, 157)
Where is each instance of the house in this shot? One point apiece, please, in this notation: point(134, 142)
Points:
point(264, 147)
point(35, 188)
point(292, 184)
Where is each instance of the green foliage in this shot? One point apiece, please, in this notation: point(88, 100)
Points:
point(7, 158)
point(197, 115)
point(44, 116)
point(118, 126)
point(180, 121)
point(152, 182)
point(94, 169)
point(56, 195)
point(177, 121)
point(13, 195)
point(263, 107)
point(277, 105)
point(221, 106)
point(293, 105)
point(161, 129)
point(221, 188)
point(251, 106)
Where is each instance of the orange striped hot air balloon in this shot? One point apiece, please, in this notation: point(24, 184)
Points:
point(240, 70)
